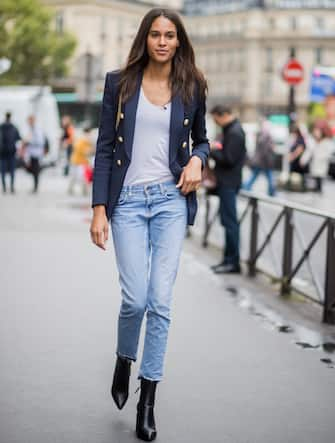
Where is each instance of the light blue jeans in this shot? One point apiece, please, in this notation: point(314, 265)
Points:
point(148, 227)
point(255, 173)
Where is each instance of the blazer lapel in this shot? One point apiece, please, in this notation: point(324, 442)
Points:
point(130, 109)
point(176, 123)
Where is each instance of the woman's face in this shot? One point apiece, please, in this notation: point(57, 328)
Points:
point(317, 134)
point(162, 40)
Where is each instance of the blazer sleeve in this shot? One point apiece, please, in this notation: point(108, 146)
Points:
point(200, 145)
point(105, 142)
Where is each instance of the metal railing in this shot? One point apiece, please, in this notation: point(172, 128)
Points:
point(290, 263)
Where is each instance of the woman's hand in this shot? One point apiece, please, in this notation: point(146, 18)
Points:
point(190, 178)
point(99, 227)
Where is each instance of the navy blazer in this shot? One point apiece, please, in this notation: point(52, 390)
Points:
point(114, 148)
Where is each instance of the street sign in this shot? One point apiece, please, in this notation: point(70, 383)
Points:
point(293, 72)
point(322, 83)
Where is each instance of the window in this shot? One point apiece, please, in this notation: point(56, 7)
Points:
point(242, 59)
point(103, 28)
point(272, 23)
point(269, 60)
point(318, 56)
point(268, 87)
point(59, 19)
point(293, 23)
point(320, 23)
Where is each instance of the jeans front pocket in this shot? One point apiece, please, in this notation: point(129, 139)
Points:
point(173, 193)
point(122, 198)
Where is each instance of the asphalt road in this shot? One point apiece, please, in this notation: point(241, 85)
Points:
point(228, 377)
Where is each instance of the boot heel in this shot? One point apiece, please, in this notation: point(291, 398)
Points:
point(145, 420)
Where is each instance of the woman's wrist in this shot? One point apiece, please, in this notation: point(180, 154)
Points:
point(196, 160)
point(99, 209)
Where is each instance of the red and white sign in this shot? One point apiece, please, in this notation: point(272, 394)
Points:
point(293, 72)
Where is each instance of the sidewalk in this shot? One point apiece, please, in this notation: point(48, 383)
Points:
point(230, 375)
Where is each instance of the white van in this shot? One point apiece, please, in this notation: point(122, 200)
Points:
point(22, 101)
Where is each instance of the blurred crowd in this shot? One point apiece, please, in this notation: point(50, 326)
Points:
point(305, 167)
point(307, 158)
point(30, 150)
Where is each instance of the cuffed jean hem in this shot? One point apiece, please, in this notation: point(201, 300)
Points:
point(125, 356)
point(148, 378)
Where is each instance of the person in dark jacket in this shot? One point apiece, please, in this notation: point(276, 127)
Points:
point(229, 163)
point(297, 149)
point(9, 136)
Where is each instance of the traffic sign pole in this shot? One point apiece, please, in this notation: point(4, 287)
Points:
point(293, 74)
point(291, 110)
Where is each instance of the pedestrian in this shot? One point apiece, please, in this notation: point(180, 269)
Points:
point(318, 154)
point(145, 181)
point(67, 141)
point(82, 148)
point(33, 150)
point(9, 136)
point(262, 162)
point(229, 162)
point(297, 149)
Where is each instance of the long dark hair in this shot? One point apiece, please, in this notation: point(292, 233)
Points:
point(185, 77)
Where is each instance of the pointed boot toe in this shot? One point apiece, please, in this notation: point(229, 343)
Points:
point(120, 386)
point(119, 398)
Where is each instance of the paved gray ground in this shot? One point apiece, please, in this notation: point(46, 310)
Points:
point(228, 379)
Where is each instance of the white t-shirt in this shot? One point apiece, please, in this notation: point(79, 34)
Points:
point(36, 141)
point(150, 155)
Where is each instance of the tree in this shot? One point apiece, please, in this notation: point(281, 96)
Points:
point(36, 50)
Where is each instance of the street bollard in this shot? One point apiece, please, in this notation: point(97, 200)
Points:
point(329, 303)
point(287, 251)
point(253, 238)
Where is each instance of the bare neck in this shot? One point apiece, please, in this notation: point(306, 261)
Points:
point(158, 72)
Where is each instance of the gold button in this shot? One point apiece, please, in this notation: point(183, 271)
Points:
point(118, 162)
point(114, 150)
point(184, 145)
point(120, 138)
point(122, 116)
point(186, 121)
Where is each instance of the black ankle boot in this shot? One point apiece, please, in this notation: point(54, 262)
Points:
point(120, 386)
point(145, 423)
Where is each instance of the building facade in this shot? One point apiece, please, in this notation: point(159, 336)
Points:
point(243, 50)
point(240, 45)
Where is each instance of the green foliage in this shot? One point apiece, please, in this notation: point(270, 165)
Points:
point(28, 39)
point(315, 111)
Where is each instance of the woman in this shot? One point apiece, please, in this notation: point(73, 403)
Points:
point(82, 148)
point(263, 159)
point(67, 141)
point(33, 150)
point(319, 153)
point(297, 149)
point(145, 180)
